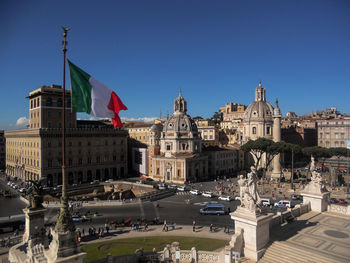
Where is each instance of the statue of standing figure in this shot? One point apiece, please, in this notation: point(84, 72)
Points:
point(317, 184)
point(248, 191)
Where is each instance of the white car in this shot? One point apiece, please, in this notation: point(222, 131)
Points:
point(225, 198)
point(238, 198)
point(181, 188)
point(208, 194)
point(194, 192)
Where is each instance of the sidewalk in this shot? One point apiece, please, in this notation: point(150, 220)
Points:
point(156, 230)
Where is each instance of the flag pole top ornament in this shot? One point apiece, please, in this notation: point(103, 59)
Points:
point(64, 41)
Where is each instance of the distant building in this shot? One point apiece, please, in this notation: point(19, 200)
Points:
point(333, 132)
point(327, 113)
point(180, 158)
point(94, 149)
point(2, 151)
point(139, 131)
point(232, 111)
point(221, 161)
point(210, 135)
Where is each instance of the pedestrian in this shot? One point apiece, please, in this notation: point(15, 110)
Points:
point(194, 226)
point(225, 229)
point(164, 226)
point(211, 228)
point(83, 232)
point(146, 227)
point(228, 230)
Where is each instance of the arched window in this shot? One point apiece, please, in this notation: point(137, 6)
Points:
point(254, 130)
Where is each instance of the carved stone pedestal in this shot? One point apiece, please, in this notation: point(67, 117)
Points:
point(34, 225)
point(64, 248)
point(318, 201)
point(256, 231)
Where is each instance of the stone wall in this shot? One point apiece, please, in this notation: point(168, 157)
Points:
point(340, 209)
point(280, 217)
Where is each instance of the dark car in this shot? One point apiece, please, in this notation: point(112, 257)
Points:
point(333, 201)
point(342, 201)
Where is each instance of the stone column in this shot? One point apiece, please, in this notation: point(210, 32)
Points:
point(276, 138)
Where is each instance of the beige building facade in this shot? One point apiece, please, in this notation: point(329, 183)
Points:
point(35, 153)
point(333, 132)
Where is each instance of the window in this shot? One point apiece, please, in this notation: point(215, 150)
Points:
point(168, 147)
point(254, 130)
point(49, 102)
point(268, 130)
point(59, 102)
point(80, 161)
point(70, 162)
point(31, 104)
point(38, 102)
point(89, 160)
point(98, 159)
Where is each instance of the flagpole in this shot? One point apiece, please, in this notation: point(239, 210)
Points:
point(64, 222)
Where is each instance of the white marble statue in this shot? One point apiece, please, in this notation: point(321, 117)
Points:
point(248, 191)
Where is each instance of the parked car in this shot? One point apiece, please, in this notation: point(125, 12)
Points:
point(77, 219)
point(172, 186)
point(95, 182)
point(162, 186)
point(208, 194)
point(182, 188)
point(266, 201)
point(341, 201)
point(194, 192)
point(213, 209)
point(283, 203)
point(225, 198)
point(333, 201)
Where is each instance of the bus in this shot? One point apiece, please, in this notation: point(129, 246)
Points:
point(213, 209)
point(11, 223)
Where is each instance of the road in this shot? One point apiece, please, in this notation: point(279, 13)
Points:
point(181, 209)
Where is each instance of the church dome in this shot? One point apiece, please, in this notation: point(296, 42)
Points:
point(180, 121)
point(260, 108)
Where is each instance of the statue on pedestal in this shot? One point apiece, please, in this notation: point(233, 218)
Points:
point(35, 195)
point(317, 184)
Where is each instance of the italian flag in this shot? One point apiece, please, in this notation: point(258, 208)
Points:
point(94, 98)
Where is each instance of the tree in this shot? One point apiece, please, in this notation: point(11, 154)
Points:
point(262, 146)
point(294, 149)
point(217, 118)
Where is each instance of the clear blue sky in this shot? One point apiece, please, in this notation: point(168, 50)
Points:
point(215, 51)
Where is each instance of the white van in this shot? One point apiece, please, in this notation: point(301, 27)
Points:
point(283, 203)
point(265, 201)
